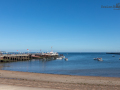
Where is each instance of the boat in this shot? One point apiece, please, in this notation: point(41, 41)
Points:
point(59, 58)
point(66, 59)
point(99, 59)
point(50, 53)
point(113, 56)
point(95, 58)
point(62, 56)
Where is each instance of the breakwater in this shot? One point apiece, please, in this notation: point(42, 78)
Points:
point(113, 53)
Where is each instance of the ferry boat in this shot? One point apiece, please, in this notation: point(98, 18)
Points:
point(50, 53)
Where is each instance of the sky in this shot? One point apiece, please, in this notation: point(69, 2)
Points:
point(64, 25)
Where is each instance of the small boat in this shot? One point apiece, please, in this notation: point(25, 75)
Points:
point(119, 58)
point(66, 59)
point(99, 59)
point(95, 58)
point(59, 58)
point(113, 56)
point(62, 56)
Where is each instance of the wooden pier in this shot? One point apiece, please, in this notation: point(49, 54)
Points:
point(23, 57)
point(14, 57)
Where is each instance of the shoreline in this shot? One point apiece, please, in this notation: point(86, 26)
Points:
point(59, 77)
point(56, 81)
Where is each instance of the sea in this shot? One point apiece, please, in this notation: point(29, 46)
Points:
point(81, 64)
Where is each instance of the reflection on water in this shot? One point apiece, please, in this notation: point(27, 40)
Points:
point(77, 64)
point(1, 67)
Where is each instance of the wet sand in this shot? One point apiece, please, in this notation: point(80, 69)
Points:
point(56, 82)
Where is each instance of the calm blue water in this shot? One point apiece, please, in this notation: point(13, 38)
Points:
point(77, 64)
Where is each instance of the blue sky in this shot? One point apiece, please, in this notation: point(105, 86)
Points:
point(67, 25)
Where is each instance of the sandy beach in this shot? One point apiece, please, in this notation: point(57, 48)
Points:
point(26, 80)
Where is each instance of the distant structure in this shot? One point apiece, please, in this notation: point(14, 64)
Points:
point(113, 53)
